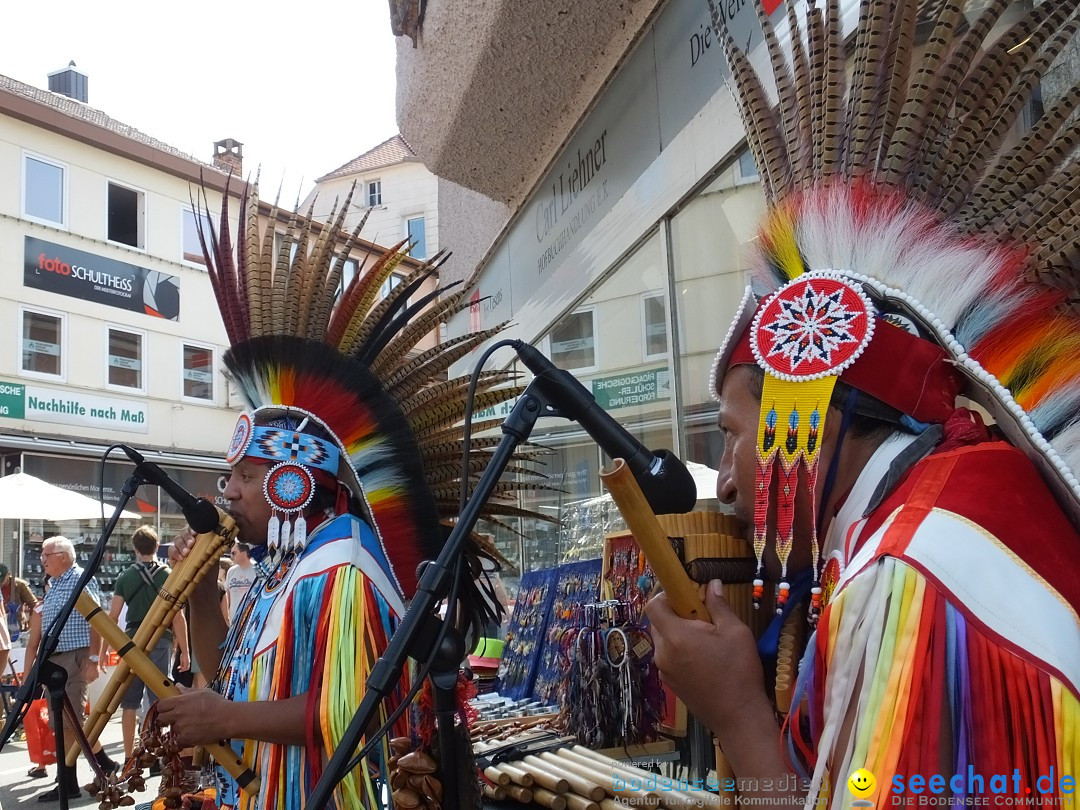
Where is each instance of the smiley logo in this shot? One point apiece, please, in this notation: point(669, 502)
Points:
point(861, 783)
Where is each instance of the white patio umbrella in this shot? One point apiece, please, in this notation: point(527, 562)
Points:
point(24, 497)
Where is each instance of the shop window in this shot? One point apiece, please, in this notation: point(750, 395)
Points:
point(713, 242)
point(415, 227)
point(390, 283)
point(125, 359)
point(193, 251)
point(374, 193)
point(654, 326)
point(638, 393)
point(573, 342)
point(44, 189)
point(198, 373)
point(125, 215)
point(746, 167)
point(43, 343)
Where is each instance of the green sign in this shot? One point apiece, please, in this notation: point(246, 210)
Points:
point(500, 411)
point(12, 400)
point(633, 388)
point(69, 406)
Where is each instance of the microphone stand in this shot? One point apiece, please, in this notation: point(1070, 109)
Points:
point(50, 675)
point(419, 626)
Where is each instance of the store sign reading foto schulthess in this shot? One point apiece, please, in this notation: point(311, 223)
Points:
point(64, 270)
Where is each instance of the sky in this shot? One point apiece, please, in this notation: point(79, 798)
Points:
point(303, 92)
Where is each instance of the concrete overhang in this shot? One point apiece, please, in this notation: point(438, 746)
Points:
point(495, 87)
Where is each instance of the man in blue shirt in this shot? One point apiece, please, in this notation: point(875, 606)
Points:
point(79, 650)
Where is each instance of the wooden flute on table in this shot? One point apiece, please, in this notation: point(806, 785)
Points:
point(158, 683)
point(573, 777)
point(171, 599)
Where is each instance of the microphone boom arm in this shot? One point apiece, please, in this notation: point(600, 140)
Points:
point(408, 640)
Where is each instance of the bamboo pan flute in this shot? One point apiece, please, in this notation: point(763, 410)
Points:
point(170, 600)
point(709, 535)
point(158, 683)
point(705, 535)
point(573, 777)
point(134, 660)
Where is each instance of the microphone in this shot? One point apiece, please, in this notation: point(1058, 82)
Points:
point(664, 480)
point(201, 515)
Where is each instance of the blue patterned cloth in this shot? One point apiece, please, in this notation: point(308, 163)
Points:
point(76, 632)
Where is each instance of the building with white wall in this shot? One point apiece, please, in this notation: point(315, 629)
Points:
point(394, 189)
point(109, 330)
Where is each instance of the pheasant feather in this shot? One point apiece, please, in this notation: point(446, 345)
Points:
point(908, 175)
point(288, 326)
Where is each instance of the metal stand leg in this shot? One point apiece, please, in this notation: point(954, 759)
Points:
point(54, 677)
point(444, 681)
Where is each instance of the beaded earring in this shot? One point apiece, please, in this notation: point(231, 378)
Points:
point(288, 488)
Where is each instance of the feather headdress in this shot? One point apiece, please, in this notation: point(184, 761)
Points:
point(346, 360)
point(901, 179)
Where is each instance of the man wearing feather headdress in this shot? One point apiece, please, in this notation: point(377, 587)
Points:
point(343, 473)
point(914, 254)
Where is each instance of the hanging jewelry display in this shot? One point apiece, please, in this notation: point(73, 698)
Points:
point(628, 577)
point(576, 585)
point(611, 695)
point(524, 638)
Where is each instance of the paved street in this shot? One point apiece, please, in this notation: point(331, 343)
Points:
point(18, 790)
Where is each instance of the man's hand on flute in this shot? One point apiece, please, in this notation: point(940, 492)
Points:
point(715, 669)
point(201, 716)
point(197, 717)
point(181, 545)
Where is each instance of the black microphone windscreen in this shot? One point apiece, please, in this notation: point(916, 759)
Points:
point(669, 488)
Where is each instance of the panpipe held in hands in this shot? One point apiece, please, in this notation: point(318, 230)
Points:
point(684, 552)
point(158, 683)
point(172, 597)
point(687, 551)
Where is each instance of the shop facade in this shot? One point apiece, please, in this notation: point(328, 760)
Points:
point(111, 333)
point(626, 259)
point(89, 476)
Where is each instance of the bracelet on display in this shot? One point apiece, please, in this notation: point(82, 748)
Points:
point(576, 585)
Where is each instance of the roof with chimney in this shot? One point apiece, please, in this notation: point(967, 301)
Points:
point(80, 113)
point(388, 153)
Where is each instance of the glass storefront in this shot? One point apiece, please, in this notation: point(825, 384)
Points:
point(21, 540)
point(615, 341)
point(642, 340)
point(711, 237)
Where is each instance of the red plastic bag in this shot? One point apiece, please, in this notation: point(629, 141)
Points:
point(40, 741)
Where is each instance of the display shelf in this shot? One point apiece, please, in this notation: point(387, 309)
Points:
point(112, 564)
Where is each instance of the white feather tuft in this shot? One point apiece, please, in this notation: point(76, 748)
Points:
point(904, 247)
point(1067, 445)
